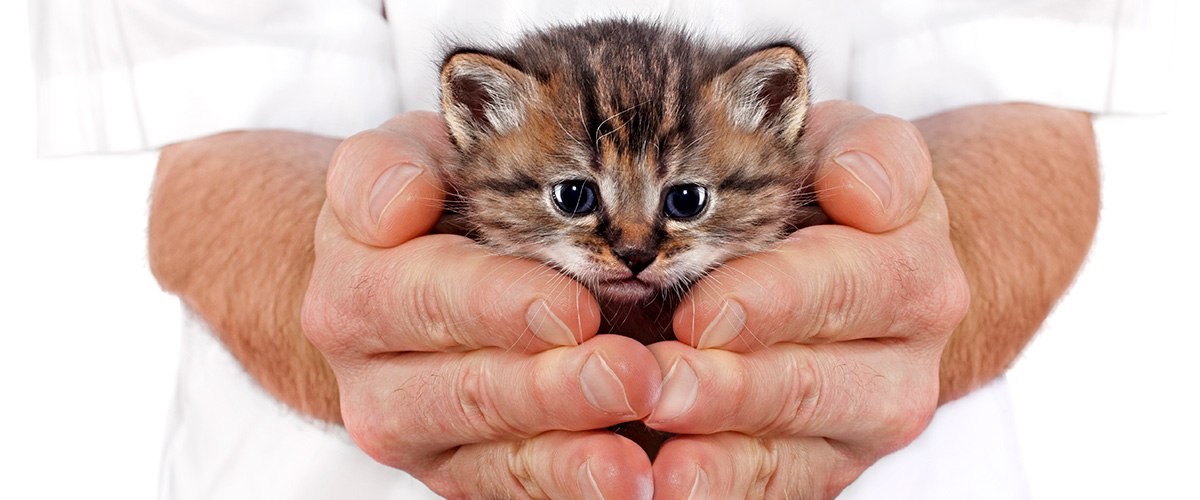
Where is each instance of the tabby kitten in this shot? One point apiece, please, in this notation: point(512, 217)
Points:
point(632, 156)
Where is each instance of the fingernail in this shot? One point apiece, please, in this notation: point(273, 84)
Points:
point(603, 389)
point(587, 483)
point(547, 326)
point(869, 172)
point(678, 392)
point(725, 327)
point(700, 487)
point(390, 186)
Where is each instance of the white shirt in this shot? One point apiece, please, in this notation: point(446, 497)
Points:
point(138, 74)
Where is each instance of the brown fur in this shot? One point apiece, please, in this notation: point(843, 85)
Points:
point(634, 109)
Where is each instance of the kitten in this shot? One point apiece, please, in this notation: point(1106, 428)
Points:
point(632, 156)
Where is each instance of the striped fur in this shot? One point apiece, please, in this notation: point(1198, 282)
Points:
point(634, 108)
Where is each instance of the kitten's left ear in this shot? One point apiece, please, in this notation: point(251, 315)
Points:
point(482, 94)
point(767, 90)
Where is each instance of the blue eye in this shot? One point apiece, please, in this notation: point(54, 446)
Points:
point(685, 201)
point(575, 197)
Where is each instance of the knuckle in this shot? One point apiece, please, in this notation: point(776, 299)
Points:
point(365, 436)
point(336, 317)
point(837, 309)
point(394, 425)
point(427, 313)
point(324, 319)
point(314, 318)
point(846, 467)
point(765, 455)
point(804, 397)
point(908, 281)
point(886, 121)
point(431, 305)
point(899, 129)
point(371, 435)
point(930, 288)
point(519, 470)
point(901, 126)
point(477, 405)
point(947, 299)
point(905, 416)
point(956, 297)
point(337, 178)
point(351, 150)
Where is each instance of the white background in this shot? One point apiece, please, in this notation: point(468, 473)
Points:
point(1106, 396)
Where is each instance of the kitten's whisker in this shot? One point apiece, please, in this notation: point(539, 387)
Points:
point(564, 129)
point(579, 310)
point(582, 117)
point(747, 328)
point(556, 282)
point(748, 277)
point(693, 317)
point(601, 125)
point(692, 147)
point(822, 177)
point(528, 275)
point(779, 272)
point(486, 277)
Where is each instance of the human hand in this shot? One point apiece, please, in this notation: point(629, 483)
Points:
point(799, 367)
point(450, 360)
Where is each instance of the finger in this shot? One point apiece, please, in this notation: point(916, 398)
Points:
point(438, 293)
point(731, 465)
point(872, 169)
point(559, 465)
point(831, 283)
point(432, 402)
point(838, 391)
point(383, 184)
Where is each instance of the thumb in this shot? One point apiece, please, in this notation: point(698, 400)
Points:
point(383, 185)
point(872, 169)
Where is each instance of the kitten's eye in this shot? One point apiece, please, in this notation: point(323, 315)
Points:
point(685, 201)
point(575, 197)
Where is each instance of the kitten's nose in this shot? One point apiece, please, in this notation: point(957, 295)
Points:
point(636, 259)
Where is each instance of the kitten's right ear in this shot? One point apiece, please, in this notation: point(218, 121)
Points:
point(482, 94)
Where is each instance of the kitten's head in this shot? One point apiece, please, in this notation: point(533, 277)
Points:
point(629, 156)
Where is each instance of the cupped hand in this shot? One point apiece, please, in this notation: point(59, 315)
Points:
point(797, 368)
point(466, 369)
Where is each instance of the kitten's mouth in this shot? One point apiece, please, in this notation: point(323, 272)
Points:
point(624, 290)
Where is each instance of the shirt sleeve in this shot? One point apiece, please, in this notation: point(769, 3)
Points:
point(131, 75)
point(1100, 56)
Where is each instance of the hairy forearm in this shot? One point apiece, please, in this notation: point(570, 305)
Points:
point(231, 224)
point(1022, 187)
